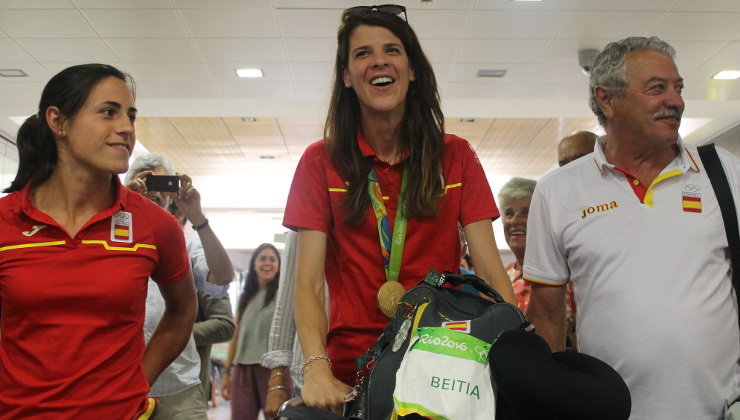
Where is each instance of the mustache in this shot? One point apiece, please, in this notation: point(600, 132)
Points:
point(668, 113)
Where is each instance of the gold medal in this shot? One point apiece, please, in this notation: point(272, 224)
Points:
point(389, 295)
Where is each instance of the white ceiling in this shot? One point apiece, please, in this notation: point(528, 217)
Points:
point(183, 53)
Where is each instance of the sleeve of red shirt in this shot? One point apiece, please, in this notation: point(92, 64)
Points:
point(478, 202)
point(173, 262)
point(308, 204)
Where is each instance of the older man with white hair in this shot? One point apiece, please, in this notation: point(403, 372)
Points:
point(637, 229)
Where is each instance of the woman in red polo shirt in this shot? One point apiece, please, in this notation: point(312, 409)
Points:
point(76, 252)
point(378, 202)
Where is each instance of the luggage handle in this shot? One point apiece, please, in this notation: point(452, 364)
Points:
point(459, 279)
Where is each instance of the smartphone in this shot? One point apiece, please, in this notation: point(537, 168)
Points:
point(167, 183)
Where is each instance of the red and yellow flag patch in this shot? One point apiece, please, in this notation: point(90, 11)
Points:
point(461, 326)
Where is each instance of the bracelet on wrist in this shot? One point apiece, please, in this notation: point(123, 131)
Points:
point(276, 388)
point(276, 374)
point(201, 226)
point(313, 359)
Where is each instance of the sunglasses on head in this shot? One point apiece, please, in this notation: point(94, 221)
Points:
point(386, 9)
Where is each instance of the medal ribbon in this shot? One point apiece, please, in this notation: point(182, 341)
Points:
point(391, 247)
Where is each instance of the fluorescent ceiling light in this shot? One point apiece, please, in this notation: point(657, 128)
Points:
point(727, 75)
point(491, 73)
point(249, 72)
point(12, 73)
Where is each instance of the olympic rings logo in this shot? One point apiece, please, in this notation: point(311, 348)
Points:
point(690, 187)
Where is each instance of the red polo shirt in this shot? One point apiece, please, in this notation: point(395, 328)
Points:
point(354, 269)
point(73, 308)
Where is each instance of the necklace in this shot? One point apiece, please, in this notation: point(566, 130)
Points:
point(389, 160)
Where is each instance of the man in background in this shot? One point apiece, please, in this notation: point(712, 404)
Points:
point(574, 146)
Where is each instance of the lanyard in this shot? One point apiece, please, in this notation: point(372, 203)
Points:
point(390, 246)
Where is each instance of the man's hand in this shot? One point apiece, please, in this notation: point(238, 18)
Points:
point(138, 182)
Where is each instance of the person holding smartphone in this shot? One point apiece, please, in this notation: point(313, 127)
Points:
point(178, 388)
point(377, 203)
point(76, 252)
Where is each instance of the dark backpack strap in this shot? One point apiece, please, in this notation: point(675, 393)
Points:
point(717, 176)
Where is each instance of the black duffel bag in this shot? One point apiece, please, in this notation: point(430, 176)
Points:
point(429, 304)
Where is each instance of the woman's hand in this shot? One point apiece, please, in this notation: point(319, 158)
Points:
point(322, 390)
point(226, 386)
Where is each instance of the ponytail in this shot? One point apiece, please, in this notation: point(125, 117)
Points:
point(37, 153)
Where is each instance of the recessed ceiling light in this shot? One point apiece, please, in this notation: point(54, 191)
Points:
point(727, 75)
point(12, 73)
point(491, 73)
point(249, 72)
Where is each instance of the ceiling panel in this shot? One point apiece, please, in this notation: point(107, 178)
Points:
point(312, 90)
point(500, 51)
point(68, 50)
point(507, 24)
point(510, 5)
point(323, 23)
point(707, 6)
point(633, 5)
point(312, 72)
point(171, 72)
point(36, 4)
point(128, 4)
point(176, 91)
point(241, 49)
point(254, 89)
point(601, 25)
point(438, 23)
point(239, 22)
point(10, 51)
point(699, 26)
point(45, 23)
point(136, 23)
point(157, 50)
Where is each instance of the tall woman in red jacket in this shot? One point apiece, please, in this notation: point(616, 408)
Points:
point(378, 202)
point(76, 251)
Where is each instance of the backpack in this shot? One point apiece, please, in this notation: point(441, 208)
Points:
point(430, 305)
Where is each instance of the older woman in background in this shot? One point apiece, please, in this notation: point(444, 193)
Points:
point(514, 199)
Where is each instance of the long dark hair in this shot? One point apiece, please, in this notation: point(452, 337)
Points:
point(67, 90)
point(422, 128)
point(252, 285)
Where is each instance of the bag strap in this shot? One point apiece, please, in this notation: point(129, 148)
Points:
point(713, 166)
point(439, 280)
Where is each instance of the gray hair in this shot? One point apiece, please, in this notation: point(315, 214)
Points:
point(148, 162)
point(516, 188)
point(609, 70)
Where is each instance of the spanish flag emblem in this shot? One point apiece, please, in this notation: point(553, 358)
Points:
point(121, 227)
point(691, 202)
point(461, 326)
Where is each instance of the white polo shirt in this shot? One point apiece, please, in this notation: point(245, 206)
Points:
point(652, 280)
